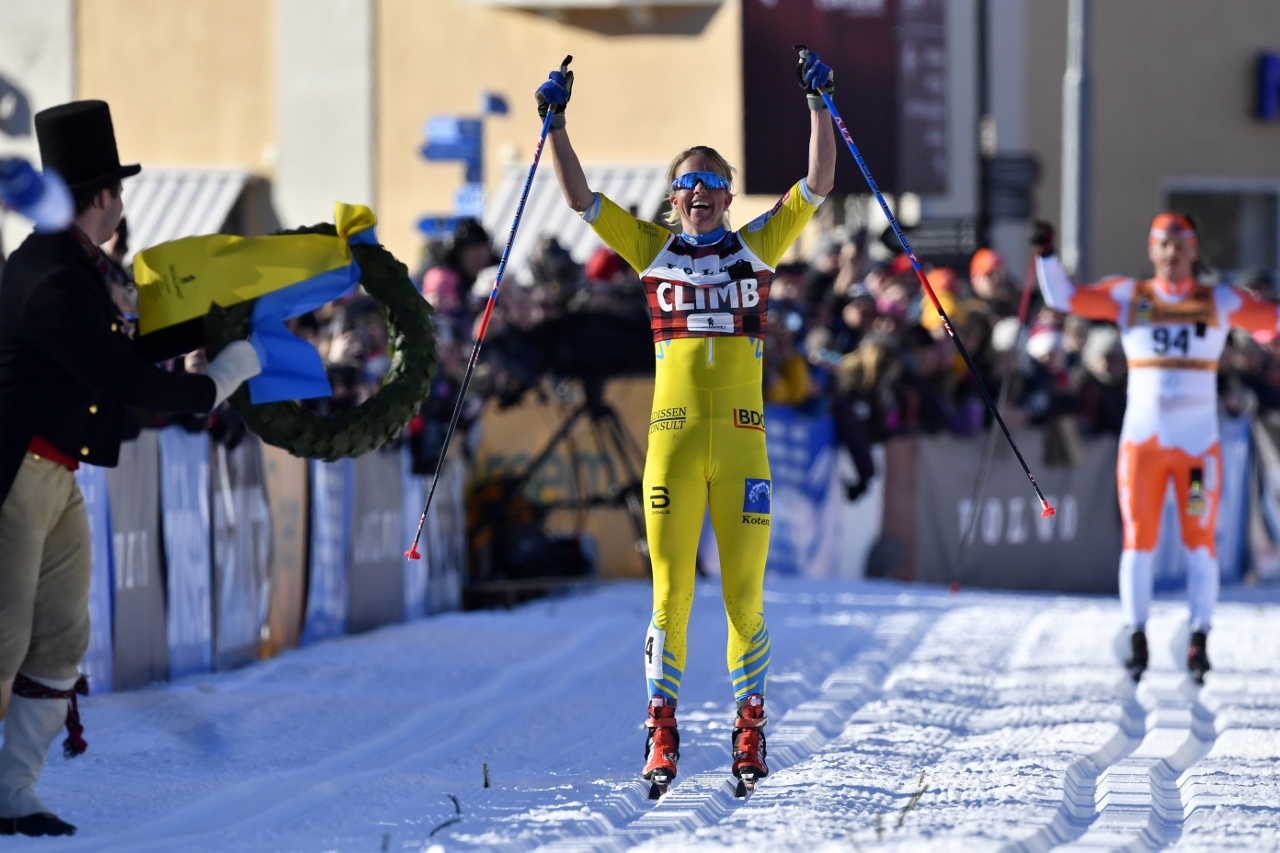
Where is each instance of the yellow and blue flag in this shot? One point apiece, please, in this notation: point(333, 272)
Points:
point(288, 275)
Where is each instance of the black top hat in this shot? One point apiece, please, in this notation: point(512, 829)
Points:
point(79, 142)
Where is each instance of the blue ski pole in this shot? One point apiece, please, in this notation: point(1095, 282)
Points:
point(1046, 510)
point(413, 553)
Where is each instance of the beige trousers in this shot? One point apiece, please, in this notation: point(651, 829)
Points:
point(45, 563)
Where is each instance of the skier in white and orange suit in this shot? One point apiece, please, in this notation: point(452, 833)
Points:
point(1173, 329)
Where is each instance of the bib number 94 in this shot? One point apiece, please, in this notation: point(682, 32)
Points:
point(1166, 340)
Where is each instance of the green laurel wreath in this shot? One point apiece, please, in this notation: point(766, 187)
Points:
point(379, 419)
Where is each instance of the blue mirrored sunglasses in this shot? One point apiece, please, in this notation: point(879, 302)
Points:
point(710, 180)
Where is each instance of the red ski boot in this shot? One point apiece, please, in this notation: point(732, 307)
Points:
point(749, 744)
point(662, 746)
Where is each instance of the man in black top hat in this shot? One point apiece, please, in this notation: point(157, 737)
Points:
point(67, 373)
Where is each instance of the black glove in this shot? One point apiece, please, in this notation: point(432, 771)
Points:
point(815, 77)
point(1042, 238)
point(554, 94)
point(853, 491)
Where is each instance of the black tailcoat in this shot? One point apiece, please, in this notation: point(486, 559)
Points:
point(67, 370)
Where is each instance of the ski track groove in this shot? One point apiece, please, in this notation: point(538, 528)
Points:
point(275, 798)
point(917, 704)
point(706, 796)
point(1139, 803)
point(1078, 808)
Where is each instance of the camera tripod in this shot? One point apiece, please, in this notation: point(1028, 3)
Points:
point(622, 465)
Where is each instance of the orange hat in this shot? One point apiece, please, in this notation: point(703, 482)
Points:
point(1172, 225)
point(942, 279)
point(956, 310)
point(985, 262)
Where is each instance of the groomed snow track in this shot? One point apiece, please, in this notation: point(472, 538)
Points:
point(900, 718)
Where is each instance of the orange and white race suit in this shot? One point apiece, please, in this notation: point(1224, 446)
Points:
point(1173, 336)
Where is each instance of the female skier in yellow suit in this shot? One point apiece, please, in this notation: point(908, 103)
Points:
point(708, 292)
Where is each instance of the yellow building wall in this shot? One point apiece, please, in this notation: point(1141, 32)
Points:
point(194, 82)
point(1177, 103)
point(635, 98)
point(1170, 97)
point(189, 82)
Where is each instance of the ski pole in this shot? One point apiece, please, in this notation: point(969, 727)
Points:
point(988, 451)
point(413, 553)
point(1046, 510)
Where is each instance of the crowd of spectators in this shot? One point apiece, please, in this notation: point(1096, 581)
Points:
point(848, 334)
point(857, 337)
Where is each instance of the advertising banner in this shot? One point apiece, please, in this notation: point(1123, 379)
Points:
point(184, 522)
point(413, 497)
point(329, 562)
point(285, 477)
point(376, 591)
point(1013, 547)
point(98, 662)
point(1233, 512)
point(802, 463)
point(447, 529)
point(434, 583)
point(241, 549)
point(141, 643)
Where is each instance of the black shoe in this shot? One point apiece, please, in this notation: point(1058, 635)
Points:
point(36, 824)
point(1136, 663)
point(1198, 656)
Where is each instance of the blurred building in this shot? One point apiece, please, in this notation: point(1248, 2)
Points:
point(273, 109)
point(1172, 122)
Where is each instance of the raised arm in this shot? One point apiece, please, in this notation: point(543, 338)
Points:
point(1251, 313)
point(816, 78)
point(554, 95)
point(1096, 302)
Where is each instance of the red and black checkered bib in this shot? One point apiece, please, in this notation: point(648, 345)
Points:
point(707, 291)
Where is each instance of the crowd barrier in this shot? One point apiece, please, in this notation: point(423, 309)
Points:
point(208, 558)
point(909, 525)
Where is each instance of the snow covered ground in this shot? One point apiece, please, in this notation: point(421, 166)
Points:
point(901, 718)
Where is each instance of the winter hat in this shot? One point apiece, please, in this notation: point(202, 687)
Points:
point(440, 287)
point(603, 265)
point(1043, 341)
point(985, 262)
point(1004, 334)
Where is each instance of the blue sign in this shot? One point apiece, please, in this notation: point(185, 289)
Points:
point(469, 200)
point(1269, 86)
point(184, 514)
point(456, 138)
point(439, 227)
point(460, 139)
point(802, 461)
point(331, 511)
point(492, 104)
point(98, 660)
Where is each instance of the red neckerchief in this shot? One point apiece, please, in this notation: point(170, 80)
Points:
point(91, 248)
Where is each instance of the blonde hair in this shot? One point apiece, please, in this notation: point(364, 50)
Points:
point(722, 166)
